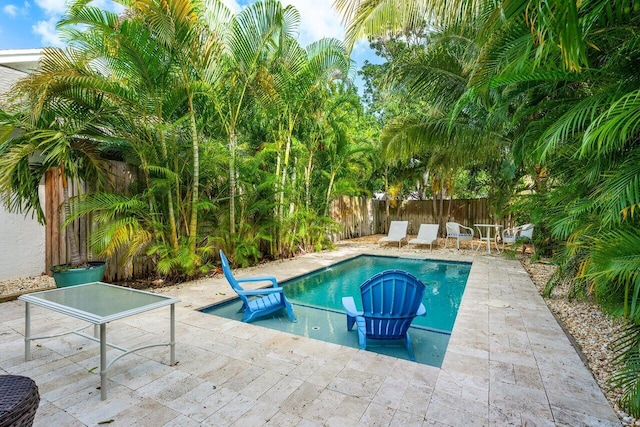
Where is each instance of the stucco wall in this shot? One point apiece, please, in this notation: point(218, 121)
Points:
point(21, 245)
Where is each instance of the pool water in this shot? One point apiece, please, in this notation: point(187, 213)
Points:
point(317, 302)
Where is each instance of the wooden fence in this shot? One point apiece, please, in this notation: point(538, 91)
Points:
point(361, 216)
point(57, 250)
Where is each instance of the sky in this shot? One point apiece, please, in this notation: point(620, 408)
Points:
point(28, 24)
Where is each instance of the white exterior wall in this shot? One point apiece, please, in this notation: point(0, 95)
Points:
point(21, 245)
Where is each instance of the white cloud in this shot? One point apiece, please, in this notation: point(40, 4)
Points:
point(47, 32)
point(10, 9)
point(107, 5)
point(233, 5)
point(318, 19)
point(52, 7)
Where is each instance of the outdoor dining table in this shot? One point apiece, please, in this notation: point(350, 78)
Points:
point(98, 303)
point(486, 236)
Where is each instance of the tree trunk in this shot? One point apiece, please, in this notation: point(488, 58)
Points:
point(193, 223)
point(232, 181)
point(307, 181)
point(172, 216)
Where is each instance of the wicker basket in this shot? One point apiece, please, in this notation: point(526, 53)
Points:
point(19, 400)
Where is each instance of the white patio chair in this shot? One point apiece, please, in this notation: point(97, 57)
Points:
point(511, 236)
point(397, 233)
point(459, 232)
point(427, 234)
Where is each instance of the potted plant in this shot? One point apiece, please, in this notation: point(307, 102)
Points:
point(52, 127)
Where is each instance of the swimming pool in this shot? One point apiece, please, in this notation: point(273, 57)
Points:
point(317, 302)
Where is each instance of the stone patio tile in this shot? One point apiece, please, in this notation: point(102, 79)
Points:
point(425, 375)
point(391, 392)
point(171, 386)
point(301, 397)
point(284, 419)
point(528, 377)
point(275, 362)
point(438, 412)
point(406, 419)
point(356, 383)
point(309, 423)
point(569, 406)
point(281, 391)
point(15, 346)
point(94, 410)
point(325, 374)
point(432, 423)
point(518, 399)
point(376, 415)
point(49, 415)
point(348, 412)
point(231, 411)
point(79, 384)
point(503, 366)
point(463, 401)
point(202, 401)
point(223, 369)
point(572, 418)
point(61, 377)
point(140, 374)
point(465, 364)
point(258, 415)
point(499, 416)
point(183, 421)
point(261, 384)
point(573, 385)
point(243, 378)
point(42, 361)
point(146, 412)
point(378, 364)
point(402, 369)
point(416, 399)
point(323, 407)
point(307, 368)
point(502, 372)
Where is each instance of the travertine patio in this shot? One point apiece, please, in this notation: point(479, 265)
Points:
point(508, 363)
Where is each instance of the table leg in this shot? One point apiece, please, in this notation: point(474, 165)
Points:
point(172, 342)
point(27, 332)
point(103, 361)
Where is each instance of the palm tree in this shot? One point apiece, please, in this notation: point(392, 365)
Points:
point(252, 41)
point(60, 127)
point(562, 76)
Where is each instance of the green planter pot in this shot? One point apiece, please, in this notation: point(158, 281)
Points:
point(65, 276)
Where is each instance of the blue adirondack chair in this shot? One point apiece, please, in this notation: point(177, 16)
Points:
point(260, 301)
point(390, 302)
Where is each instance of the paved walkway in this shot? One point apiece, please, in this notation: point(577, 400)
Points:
point(508, 363)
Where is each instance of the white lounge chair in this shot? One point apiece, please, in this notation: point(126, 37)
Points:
point(512, 235)
point(427, 234)
point(397, 233)
point(458, 232)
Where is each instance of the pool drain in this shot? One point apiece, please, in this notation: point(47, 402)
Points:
point(315, 328)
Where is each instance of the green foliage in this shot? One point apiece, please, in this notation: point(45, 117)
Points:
point(627, 363)
point(551, 90)
point(245, 244)
point(181, 264)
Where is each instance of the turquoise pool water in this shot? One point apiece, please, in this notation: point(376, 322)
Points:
point(317, 302)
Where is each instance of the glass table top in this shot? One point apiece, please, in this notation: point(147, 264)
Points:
point(98, 302)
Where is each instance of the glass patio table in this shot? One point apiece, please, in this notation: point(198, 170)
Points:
point(98, 303)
